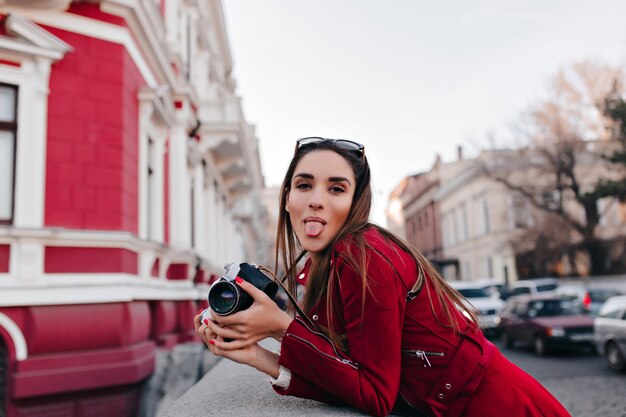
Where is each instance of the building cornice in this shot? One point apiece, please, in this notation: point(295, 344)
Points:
point(28, 39)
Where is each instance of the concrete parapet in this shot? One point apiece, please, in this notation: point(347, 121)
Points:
point(234, 390)
point(176, 371)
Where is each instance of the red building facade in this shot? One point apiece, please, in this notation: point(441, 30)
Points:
point(124, 155)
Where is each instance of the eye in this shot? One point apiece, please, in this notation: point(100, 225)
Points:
point(303, 186)
point(337, 189)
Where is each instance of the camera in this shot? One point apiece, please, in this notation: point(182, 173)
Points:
point(226, 297)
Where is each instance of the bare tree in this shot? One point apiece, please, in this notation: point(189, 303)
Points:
point(568, 157)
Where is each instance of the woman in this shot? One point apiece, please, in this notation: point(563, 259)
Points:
point(381, 330)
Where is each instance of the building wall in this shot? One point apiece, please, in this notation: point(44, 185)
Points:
point(476, 229)
point(92, 149)
point(136, 178)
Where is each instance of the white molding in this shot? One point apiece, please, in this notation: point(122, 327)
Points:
point(41, 4)
point(17, 337)
point(78, 238)
point(179, 187)
point(70, 295)
point(36, 50)
point(19, 26)
point(149, 33)
point(155, 119)
point(95, 29)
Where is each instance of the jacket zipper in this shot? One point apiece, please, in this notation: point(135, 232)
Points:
point(341, 360)
point(423, 355)
point(330, 342)
point(324, 337)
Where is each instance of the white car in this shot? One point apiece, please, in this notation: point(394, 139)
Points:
point(535, 286)
point(610, 332)
point(589, 298)
point(487, 305)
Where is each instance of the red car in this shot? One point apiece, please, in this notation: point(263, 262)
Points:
point(546, 322)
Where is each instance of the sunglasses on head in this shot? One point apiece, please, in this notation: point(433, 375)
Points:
point(340, 143)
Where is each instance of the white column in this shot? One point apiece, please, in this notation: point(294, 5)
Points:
point(145, 110)
point(198, 209)
point(211, 214)
point(206, 216)
point(222, 233)
point(30, 167)
point(157, 198)
point(27, 259)
point(180, 208)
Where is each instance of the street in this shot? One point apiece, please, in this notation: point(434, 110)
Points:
point(580, 380)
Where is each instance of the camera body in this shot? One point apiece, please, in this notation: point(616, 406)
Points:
point(226, 297)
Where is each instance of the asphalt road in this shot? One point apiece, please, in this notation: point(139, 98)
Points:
point(579, 379)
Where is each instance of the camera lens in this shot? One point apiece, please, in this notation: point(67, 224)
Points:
point(223, 298)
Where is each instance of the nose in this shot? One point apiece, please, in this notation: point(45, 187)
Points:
point(316, 201)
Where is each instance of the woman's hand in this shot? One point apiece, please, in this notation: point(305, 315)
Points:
point(202, 329)
point(263, 319)
point(253, 354)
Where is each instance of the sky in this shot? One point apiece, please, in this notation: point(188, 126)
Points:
point(409, 79)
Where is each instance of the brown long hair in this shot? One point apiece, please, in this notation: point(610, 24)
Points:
point(320, 278)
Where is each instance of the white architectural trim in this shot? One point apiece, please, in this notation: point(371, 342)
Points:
point(71, 295)
point(24, 28)
point(179, 190)
point(155, 119)
point(17, 337)
point(92, 28)
point(36, 51)
point(144, 21)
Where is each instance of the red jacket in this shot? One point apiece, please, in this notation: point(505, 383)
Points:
point(400, 354)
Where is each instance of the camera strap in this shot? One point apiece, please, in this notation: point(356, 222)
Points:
point(291, 297)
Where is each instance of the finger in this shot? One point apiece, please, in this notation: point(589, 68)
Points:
point(253, 291)
point(228, 346)
point(196, 319)
point(225, 332)
point(207, 337)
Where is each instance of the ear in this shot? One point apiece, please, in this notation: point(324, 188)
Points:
point(287, 201)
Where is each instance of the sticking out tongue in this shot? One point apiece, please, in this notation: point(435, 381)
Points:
point(313, 228)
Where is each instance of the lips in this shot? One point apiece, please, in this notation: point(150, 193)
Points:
point(313, 226)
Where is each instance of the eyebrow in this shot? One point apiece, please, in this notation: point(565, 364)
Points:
point(330, 179)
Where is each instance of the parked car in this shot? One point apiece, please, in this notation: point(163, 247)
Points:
point(492, 286)
point(533, 286)
point(589, 298)
point(487, 305)
point(610, 332)
point(545, 321)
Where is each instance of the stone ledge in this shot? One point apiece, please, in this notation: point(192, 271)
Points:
point(234, 390)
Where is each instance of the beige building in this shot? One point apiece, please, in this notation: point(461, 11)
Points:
point(491, 231)
point(476, 223)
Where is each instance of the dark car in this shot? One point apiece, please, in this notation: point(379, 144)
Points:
point(546, 322)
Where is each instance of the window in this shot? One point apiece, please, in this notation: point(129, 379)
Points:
point(8, 130)
point(455, 226)
point(481, 215)
point(192, 215)
point(465, 221)
point(486, 217)
point(489, 267)
point(520, 211)
point(150, 188)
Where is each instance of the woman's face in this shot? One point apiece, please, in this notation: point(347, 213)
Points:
point(320, 198)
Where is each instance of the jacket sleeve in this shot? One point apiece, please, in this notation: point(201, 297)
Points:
point(368, 377)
